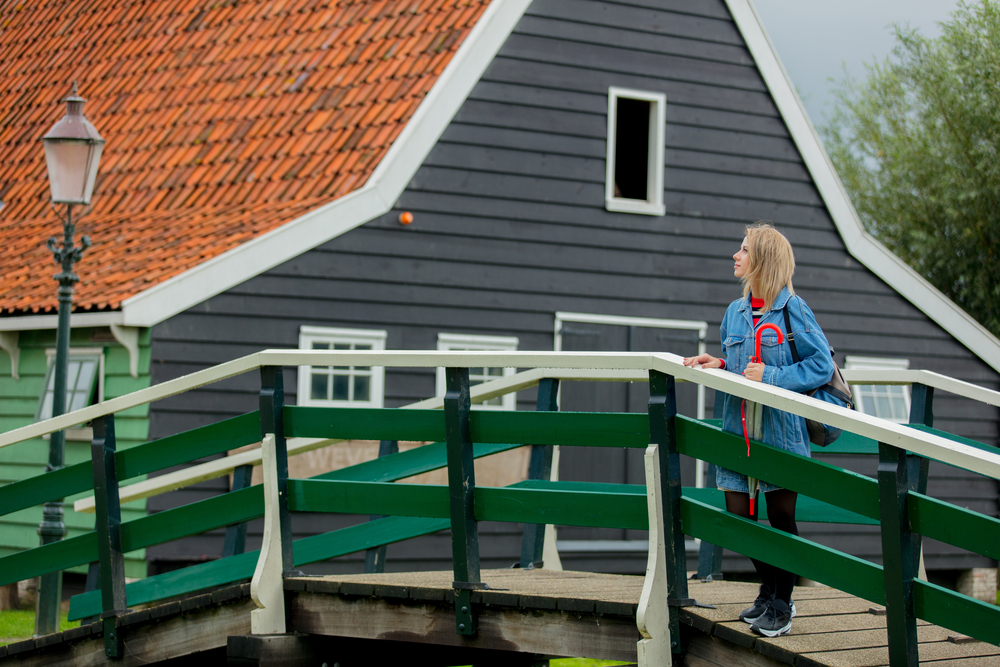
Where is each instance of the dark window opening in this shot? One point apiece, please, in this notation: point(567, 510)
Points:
point(632, 149)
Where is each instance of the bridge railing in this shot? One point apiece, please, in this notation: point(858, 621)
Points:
point(903, 513)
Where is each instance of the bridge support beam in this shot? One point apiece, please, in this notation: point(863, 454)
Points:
point(107, 524)
point(272, 420)
point(236, 535)
point(900, 556)
point(653, 617)
point(662, 432)
point(539, 467)
point(375, 557)
point(461, 495)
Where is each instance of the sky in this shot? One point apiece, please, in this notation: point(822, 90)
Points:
point(816, 39)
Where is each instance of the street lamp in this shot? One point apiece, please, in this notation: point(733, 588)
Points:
point(72, 151)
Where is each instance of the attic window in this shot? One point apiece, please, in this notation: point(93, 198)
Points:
point(636, 121)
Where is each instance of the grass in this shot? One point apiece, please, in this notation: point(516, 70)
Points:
point(16, 625)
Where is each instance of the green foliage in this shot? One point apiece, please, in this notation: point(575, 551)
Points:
point(916, 146)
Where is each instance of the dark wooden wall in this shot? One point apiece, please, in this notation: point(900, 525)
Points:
point(510, 226)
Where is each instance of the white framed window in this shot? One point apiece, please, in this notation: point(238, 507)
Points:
point(636, 123)
point(465, 343)
point(886, 401)
point(339, 386)
point(84, 386)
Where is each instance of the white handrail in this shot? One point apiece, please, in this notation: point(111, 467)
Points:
point(925, 444)
point(929, 378)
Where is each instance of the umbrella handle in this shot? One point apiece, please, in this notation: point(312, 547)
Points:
point(763, 327)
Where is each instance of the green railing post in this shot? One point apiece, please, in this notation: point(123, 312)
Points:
point(921, 412)
point(272, 420)
point(461, 495)
point(663, 432)
point(235, 541)
point(107, 524)
point(539, 467)
point(375, 557)
point(710, 555)
point(900, 556)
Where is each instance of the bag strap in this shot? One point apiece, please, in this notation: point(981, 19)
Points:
point(789, 335)
point(828, 387)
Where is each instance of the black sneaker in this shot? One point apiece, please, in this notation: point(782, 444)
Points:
point(777, 620)
point(760, 605)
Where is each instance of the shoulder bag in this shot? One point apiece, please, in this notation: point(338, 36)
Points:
point(836, 392)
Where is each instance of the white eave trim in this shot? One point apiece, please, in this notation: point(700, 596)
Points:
point(863, 247)
point(76, 321)
point(375, 198)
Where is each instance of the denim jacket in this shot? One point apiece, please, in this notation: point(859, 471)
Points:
point(815, 368)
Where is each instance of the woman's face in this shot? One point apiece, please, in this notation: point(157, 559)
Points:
point(742, 259)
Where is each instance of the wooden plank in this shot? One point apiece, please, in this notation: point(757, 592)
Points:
point(955, 525)
point(856, 493)
point(609, 58)
point(419, 500)
point(690, 21)
point(364, 423)
point(175, 637)
point(511, 68)
point(555, 633)
point(37, 560)
point(957, 612)
point(240, 567)
point(613, 32)
point(827, 566)
point(562, 428)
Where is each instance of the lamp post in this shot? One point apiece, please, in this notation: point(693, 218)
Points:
point(72, 151)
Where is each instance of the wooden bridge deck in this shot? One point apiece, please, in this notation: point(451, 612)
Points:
point(526, 611)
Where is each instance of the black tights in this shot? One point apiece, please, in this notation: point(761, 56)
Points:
point(781, 514)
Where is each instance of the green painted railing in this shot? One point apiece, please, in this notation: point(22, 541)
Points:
point(828, 494)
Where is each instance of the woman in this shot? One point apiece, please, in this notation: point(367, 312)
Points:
point(765, 264)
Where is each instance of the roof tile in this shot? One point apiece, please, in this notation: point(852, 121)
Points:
point(222, 122)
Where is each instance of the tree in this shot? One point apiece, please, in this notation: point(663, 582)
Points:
point(916, 146)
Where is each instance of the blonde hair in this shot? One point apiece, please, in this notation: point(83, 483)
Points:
point(772, 263)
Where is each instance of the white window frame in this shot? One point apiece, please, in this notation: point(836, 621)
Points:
point(79, 432)
point(879, 363)
point(376, 338)
point(475, 343)
point(656, 154)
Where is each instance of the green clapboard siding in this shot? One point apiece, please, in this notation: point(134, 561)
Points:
point(20, 509)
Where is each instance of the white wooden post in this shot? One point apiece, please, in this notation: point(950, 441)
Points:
point(653, 615)
point(267, 585)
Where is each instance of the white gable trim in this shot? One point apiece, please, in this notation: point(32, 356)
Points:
point(375, 198)
point(863, 247)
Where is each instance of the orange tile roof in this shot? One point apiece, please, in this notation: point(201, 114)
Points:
point(223, 120)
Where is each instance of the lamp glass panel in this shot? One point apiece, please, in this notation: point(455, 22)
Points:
point(68, 164)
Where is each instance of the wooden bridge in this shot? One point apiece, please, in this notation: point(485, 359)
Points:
point(866, 615)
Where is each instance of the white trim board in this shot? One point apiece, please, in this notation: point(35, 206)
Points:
point(862, 246)
point(375, 198)
point(76, 321)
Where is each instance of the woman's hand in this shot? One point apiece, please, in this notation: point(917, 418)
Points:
point(702, 361)
point(754, 372)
